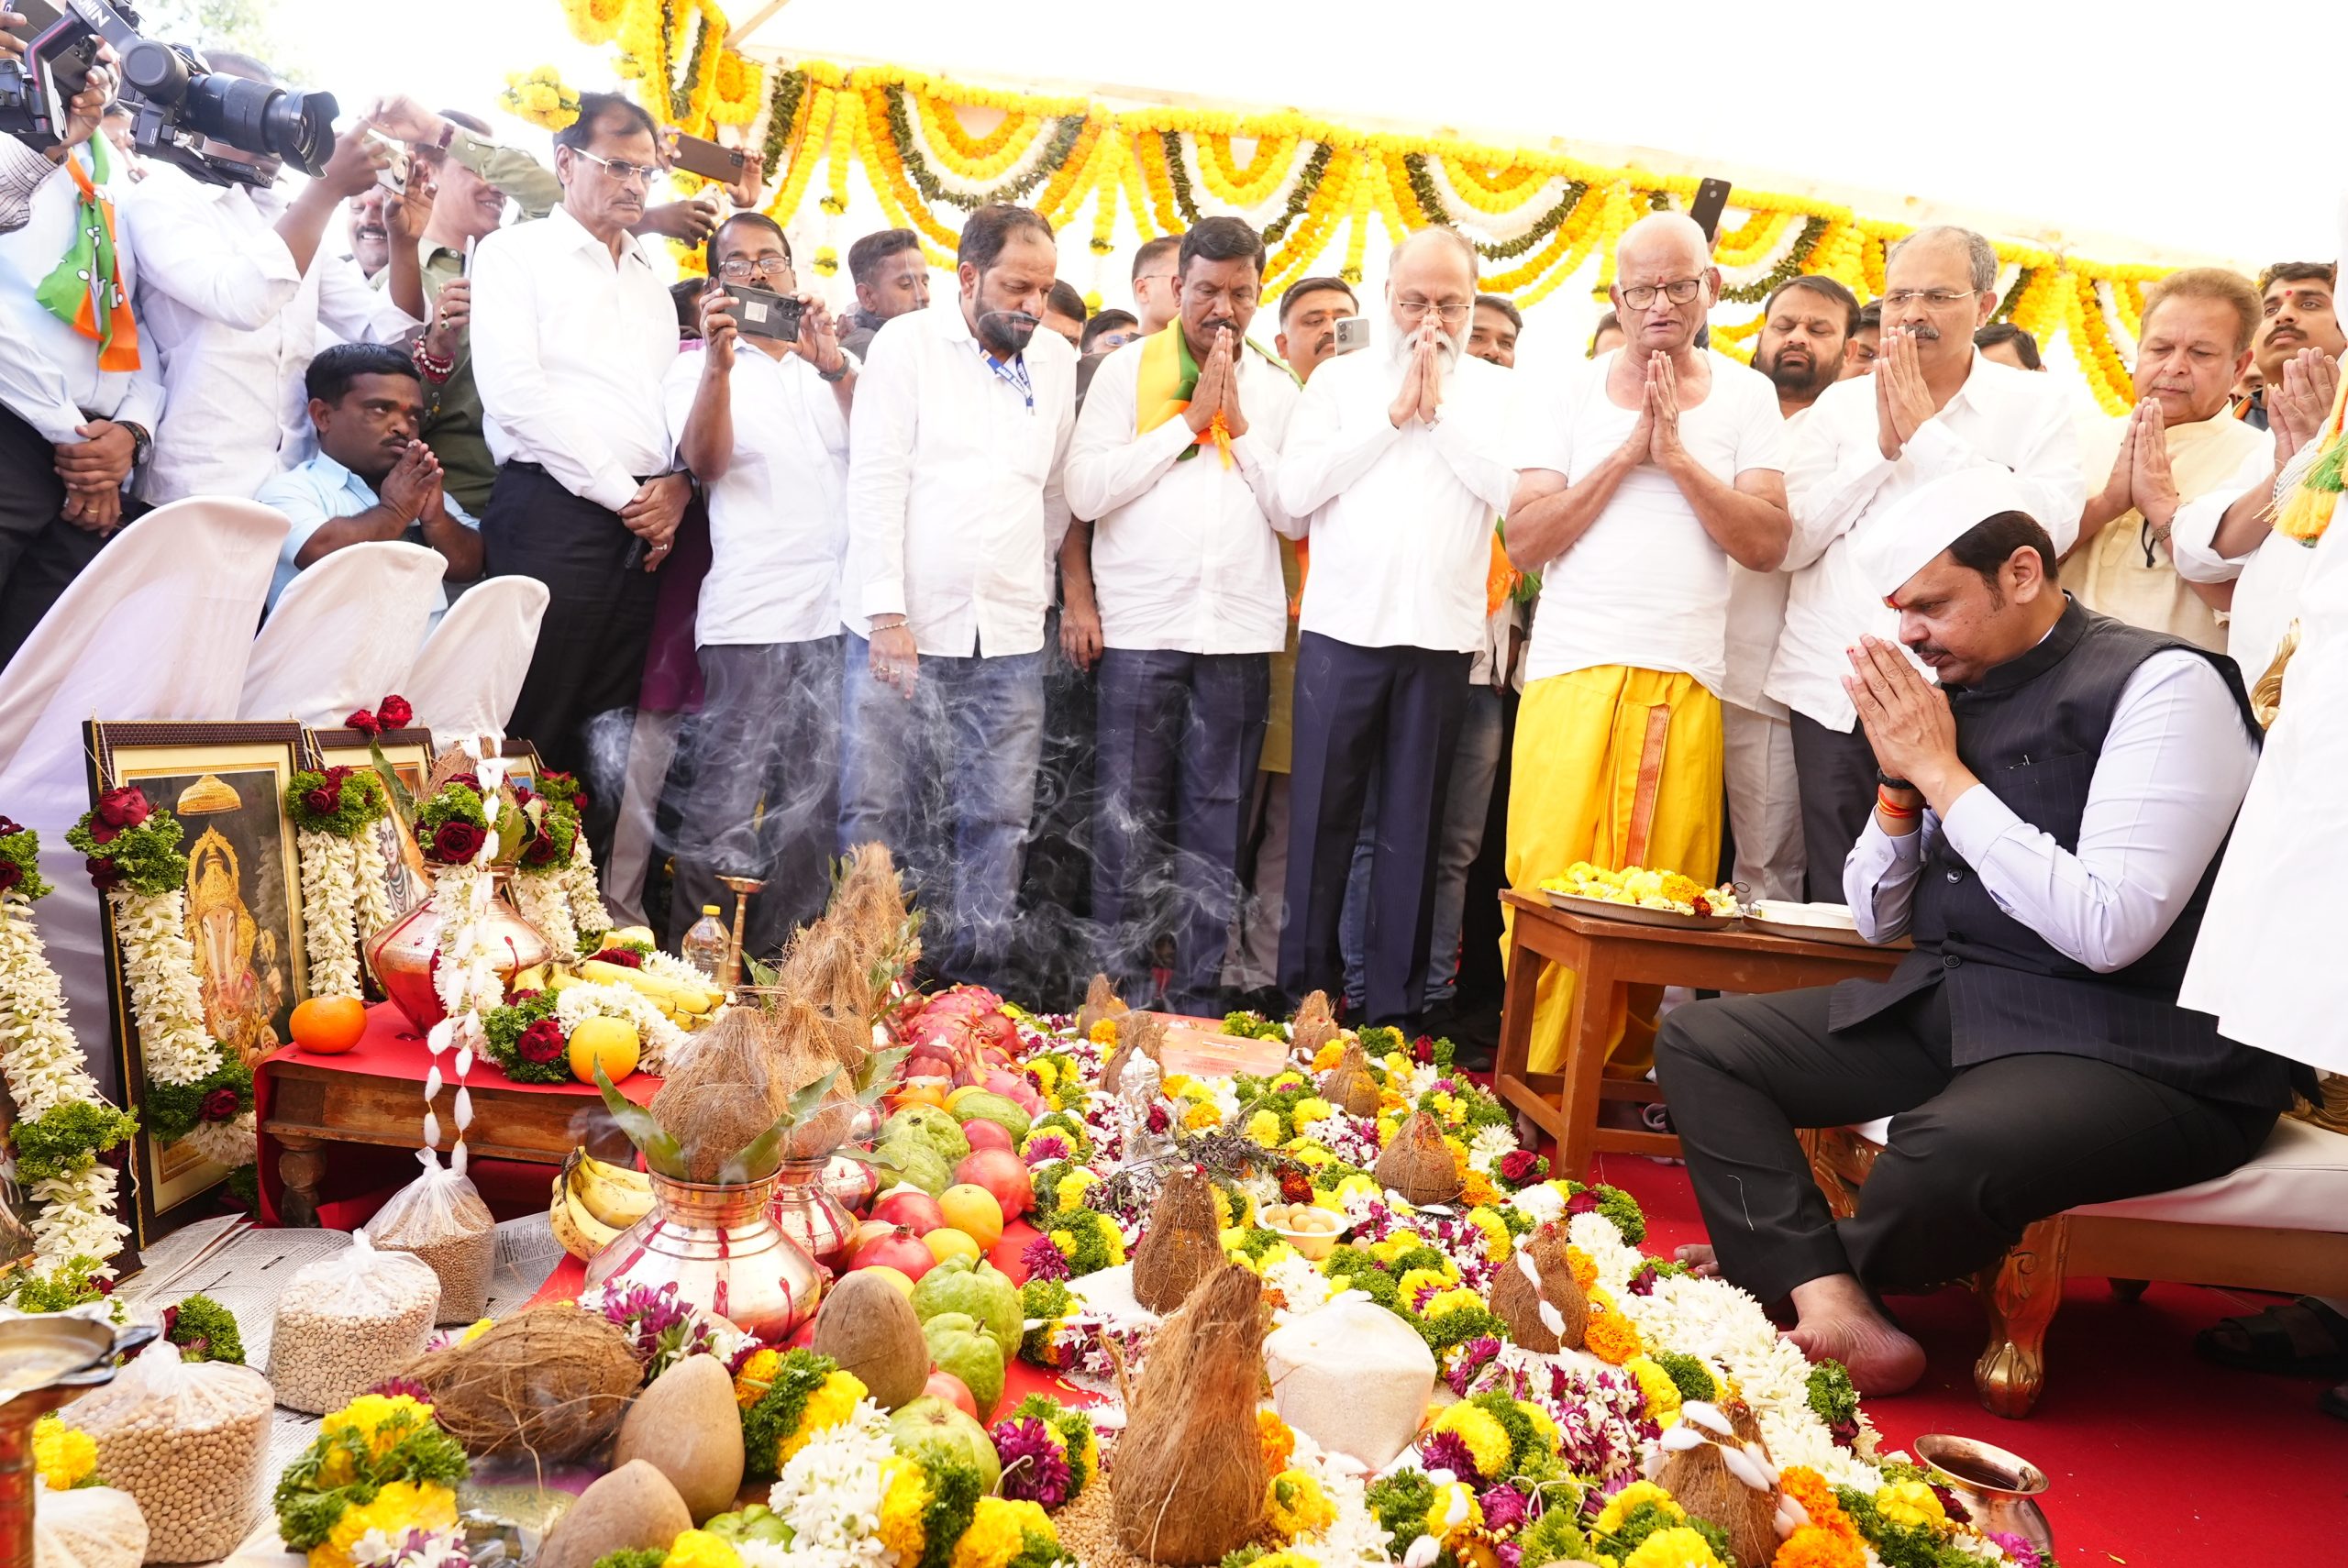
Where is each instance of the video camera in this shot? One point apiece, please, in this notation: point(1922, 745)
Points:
point(177, 102)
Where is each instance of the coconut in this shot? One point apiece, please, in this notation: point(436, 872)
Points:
point(1188, 1483)
point(801, 1046)
point(1539, 1276)
point(1181, 1244)
point(1100, 1000)
point(1732, 1484)
point(826, 967)
point(1418, 1163)
point(1350, 1086)
point(869, 1328)
point(632, 1509)
point(1141, 1034)
point(550, 1381)
point(1313, 1026)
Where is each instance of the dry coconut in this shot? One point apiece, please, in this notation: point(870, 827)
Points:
point(1313, 1026)
point(826, 967)
point(1350, 1086)
point(1418, 1163)
point(1189, 1479)
point(1180, 1243)
point(1727, 1482)
point(868, 1327)
point(1101, 1001)
point(801, 1050)
point(551, 1381)
point(1536, 1295)
point(1139, 1035)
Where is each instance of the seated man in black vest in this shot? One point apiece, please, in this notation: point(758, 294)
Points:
point(2046, 829)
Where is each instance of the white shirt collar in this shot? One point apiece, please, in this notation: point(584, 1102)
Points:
point(581, 238)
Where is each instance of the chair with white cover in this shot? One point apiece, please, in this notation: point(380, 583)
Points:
point(468, 675)
point(159, 626)
point(345, 633)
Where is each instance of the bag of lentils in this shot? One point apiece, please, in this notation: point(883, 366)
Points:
point(441, 1219)
point(188, 1439)
point(346, 1323)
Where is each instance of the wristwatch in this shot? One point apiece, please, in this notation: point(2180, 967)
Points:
point(140, 442)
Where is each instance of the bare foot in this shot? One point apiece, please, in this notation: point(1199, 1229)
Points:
point(1840, 1321)
point(1698, 1261)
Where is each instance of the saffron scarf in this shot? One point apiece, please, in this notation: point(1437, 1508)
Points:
point(85, 290)
point(1168, 377)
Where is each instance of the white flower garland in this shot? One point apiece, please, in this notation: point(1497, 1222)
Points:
point(664, 1043)
point(676, 971)
point(829, 1494)
point(330, 910)
point(544, 900)
point(466, 979)
point(42, 1063)
point(159, 964)
point(374, 907)
point(587, 910)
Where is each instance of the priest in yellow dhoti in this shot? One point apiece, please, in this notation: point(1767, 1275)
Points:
point(2179, 450)
point(1660, 464)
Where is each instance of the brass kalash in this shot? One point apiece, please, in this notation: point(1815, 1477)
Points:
point(45, 1361)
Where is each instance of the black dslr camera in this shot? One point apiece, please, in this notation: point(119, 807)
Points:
point(176, 101)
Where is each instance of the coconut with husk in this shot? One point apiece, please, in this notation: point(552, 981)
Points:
point(869, 907)
point(1350, 1086)
point(1535, 1293)
point(1719, 1477)
point(1188, 1483)
point(550, 1381)
point(1313, 1026)
point(1101, 1001)
point(725, 1117)
point(1180, 1243)
point(826, 967)
point(1418, 1163)
point(1140, 1034)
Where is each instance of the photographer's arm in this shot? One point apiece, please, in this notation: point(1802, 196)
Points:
point(21, 172)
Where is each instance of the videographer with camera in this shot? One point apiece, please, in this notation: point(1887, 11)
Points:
point(78, 399)
point(235, 281)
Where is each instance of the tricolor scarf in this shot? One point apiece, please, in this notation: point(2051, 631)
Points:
point(2306, 512)
point(1168, 377)
point(86, 291)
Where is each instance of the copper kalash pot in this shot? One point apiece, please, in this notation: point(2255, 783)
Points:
point(403, 953)
point(719, 1245)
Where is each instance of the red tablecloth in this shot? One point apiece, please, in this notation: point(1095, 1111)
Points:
point(393, 1049)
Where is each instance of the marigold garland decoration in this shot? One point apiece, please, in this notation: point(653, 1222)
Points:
point(540, 97)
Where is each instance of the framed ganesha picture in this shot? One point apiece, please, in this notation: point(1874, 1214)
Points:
point(239, 906)
point(406, 878)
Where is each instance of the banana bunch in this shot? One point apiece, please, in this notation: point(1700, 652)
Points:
point(594, 1202)
point(688, 1007)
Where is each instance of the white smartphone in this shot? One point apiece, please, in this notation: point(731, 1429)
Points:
point(1353, 331)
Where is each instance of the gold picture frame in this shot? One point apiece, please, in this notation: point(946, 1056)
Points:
point(226, 782)
point(410, 753)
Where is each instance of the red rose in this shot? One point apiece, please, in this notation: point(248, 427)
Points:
point(365, 723)
point(469, 781)
point(105, 875)
point(456, 841)
point(10, 874)
point(627, 959)
point(540, 851)
point(220, 1105)
point(1423, 1050)
point(10, 827)
point(1583, 1202)
point(1517, 1164)
point(323, 801)
point(542, 1042)
point(524, 795)
point(395, 712)
point(123, 807)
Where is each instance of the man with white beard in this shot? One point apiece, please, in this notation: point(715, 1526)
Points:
point(1395, 465)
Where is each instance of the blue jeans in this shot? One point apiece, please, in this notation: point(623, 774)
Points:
point(1468, 798)
point(948, 781)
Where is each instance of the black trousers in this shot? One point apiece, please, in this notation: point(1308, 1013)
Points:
point(1975, 1153)
point(589, 664)
point(40, 553)
point(1836, 773)
point(1393, 711)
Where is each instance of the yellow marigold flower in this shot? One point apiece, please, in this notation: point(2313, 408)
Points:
point(1677, 1547)
point(1278, 1442)
point(63, 1454)
point(699, 1548)
point(1103, 1033)
point(757, 1376)
point(1418, 1279)
point(1265, 1128)
point(1311, 1109)
point(903, 1498)
point(380, 1420)
point(1396, 1062)
point(1362, 1183)
point(1609, 1335)
point(1487, 1440)
point(476, 1329)
point(1290, 1078)
point(1451, 1301)
point(1911, 1503)
point(833, 1402)
point(1201, 1117)
point(1387, 1127)
point(1662, 1393)
point(1326, 1057)
point(1618, 1508)
point(1396, 1244)
point(400, 1507)
point(1447, 1107)
point(1454, 1508)
point(1295, 1505)
point(1287, 1559)
point(998, 1532)
point(1498, 1242)
point(1072, 1188)
point(1181, 1084)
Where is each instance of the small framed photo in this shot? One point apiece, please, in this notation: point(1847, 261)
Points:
point(522, 764)
point(407, 879)
point(226, 783)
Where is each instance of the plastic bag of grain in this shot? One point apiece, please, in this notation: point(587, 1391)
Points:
point(187, 1439)
point(441, 1219)
point(346, 1323)
point(1352, 1377)
point(87, 1526)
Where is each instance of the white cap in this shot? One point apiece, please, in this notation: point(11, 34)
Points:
point(1929, 519)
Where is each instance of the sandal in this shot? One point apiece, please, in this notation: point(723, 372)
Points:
point(2302, 1338)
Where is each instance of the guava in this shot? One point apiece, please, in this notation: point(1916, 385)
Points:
point(933, 1127)
point(958, 1344)
point(929, 1421)
point(980, 1292)
point(994, 1107)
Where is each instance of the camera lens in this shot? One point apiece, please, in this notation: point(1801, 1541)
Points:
point(264, 120)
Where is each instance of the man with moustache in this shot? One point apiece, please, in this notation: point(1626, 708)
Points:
point(1930, 406)
point(370, 242)
point(1395, 466)
point(1175, 457)
point(1806, 326)
point(962, 420)
point(2177, 450)
point(1498, 325)
point(2299, 313)
point(1638, 488)
point(572, 331)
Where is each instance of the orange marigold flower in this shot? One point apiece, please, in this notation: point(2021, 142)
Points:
point(1585, 1271)
point(1816, 1495)
point(1811, 1547)
point(1610, 1337)
point(1278, 1442)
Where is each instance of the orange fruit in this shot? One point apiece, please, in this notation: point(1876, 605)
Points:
point(973, 1211)
point(610, 1044)
point(329, 1025)
point(946, 1242)
point(917, 1091)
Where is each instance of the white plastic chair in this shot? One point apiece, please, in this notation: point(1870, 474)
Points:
point(345, 633)
point(159, 626)
point(468, 675)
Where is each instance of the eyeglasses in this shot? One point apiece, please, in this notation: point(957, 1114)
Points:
point(1679, 291)
point(1936, 298)
point(620, 169)
point(1418, 310)
point(740, 271)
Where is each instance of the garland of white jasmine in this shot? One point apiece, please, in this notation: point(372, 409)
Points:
point(589, 919)
point(541, 882)
point(334, 812)
point(457, 835)
point(63, 1123)
point(196, 1090)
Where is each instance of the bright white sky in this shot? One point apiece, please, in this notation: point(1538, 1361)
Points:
point(2074, 121)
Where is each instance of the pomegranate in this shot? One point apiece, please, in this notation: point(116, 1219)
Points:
point(1002, 1172)
point(899, 1250)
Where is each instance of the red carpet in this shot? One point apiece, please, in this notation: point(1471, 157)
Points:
point(2157, 1459)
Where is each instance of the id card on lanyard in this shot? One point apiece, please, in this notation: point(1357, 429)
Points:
point(1014, 374)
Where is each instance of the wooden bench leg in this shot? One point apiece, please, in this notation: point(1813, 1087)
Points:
point(1587, 1027)
point(299, 1166)
point(1513, 1060)
point(2020, 1295)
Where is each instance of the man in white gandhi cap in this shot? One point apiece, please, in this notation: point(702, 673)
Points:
point(2047, 826)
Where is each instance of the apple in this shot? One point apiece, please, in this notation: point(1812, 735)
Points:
point(899, 1250)
point(1002, 1172)
point(911, 1208)
point(929, 1420)
point(953, 1390)
point(985, 1134)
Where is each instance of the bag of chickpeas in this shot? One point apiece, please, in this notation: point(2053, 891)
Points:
point(346, 1323)
point(440, 1218)
point(188, 1439)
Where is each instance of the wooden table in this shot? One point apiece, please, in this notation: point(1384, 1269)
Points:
point(1609, 956)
